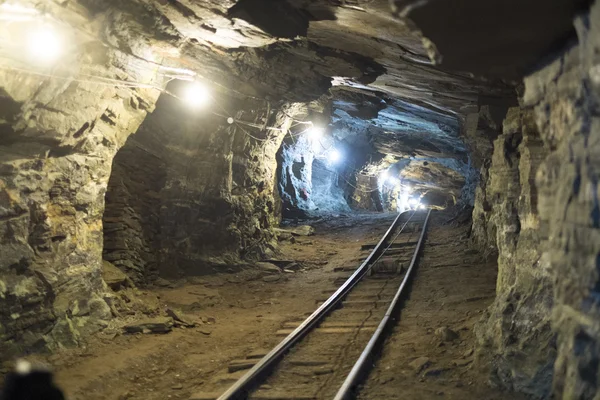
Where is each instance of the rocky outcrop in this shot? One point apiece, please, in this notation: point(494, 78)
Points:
point(515, 332)
point(56, 148)
point(564, 96)
point(547, 230)
point(218, 201)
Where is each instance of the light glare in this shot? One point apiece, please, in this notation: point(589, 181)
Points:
point(196, 95)
point(45, 45)
point(386, 178)
point(315, 132)
point(334, 156)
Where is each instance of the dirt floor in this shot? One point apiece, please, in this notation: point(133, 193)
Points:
point(239, 313)
point(429, 353)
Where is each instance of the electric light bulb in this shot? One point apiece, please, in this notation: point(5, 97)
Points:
point(422, 206)
point(196, 95)
point(44, 45)
point(315, 132)
point(334, 156)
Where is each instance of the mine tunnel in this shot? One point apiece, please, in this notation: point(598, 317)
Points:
point(299, 199)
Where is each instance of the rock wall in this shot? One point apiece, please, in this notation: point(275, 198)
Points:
point(195, 194)
point(565, 97)
point(309, 183)
point(515, 333)
point(295, 177)
point(545, 323)
point(367, 195)
point(132, 212)
point(57, 141)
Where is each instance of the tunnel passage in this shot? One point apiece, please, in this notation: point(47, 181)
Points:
point(184, 190)
point(414, 118)
point(312, 181)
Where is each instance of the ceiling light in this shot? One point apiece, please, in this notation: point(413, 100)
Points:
point(334, 156)
point(386, 179)
point(315, 132)
point(196, 95)
point(44, 45)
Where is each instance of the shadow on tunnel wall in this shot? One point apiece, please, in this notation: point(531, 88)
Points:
point(190, 193)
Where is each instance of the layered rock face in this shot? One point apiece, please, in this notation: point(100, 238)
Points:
point(309, 184)
point(307, 180)
point(564, 96)
point(194, 194)
point(516, 331)
point(131, 217)
point(57, 141)
point(541, 205)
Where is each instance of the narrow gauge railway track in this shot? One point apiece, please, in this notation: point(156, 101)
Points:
point(327, 355)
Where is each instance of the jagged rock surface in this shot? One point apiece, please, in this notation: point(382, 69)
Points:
point(547, 230)
point(516, 331)
point(564, 97)
point(55, 153)
point(212, 202)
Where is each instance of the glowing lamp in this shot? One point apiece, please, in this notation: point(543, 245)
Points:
point(315, 132)
point(422, 206)
point(196, 95)
point(413, 202)
point(387, 179)
point(334, 156)
point(44, 45)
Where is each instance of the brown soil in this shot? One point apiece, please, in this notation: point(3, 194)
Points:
point(242, 312)
point(420, 360)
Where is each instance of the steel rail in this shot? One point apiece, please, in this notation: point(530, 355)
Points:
point(240, 389)
point(355, 376)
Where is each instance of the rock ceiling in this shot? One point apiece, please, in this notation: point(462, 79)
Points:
point(296, 50)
